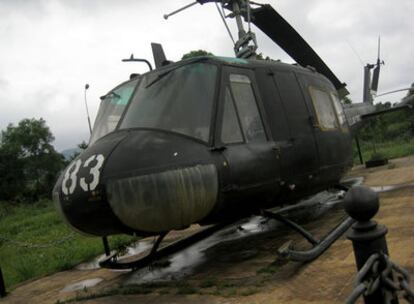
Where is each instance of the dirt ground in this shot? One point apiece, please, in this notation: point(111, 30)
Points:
point(247, 270)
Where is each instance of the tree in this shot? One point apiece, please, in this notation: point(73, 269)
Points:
point(260, 56)
point(11, 174)
point(347, 100)
point(196, 53)
point(28, 161)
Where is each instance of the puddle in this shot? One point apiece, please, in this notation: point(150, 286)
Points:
point(187, 261)
point(388, 188)
point(229, 239)
point(82, 285)
point(352, 181)
point(184, 262)
point(133, 249)
point(91, 265)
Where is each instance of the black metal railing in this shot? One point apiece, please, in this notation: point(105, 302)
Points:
point(2, 285)
point(379, 280)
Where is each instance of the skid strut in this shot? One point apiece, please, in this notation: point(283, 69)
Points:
point(113, 262)
point(318, 246)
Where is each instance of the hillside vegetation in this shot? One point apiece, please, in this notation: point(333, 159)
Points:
point(390, 135)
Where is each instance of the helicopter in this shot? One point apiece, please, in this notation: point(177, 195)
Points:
point(210, 140)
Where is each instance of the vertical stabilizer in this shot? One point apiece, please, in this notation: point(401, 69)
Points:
point(371, 87)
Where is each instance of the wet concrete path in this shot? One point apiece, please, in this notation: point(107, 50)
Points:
point(239, 263)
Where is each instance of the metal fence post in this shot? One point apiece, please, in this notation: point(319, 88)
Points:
point(3, 292)
point(368, 237)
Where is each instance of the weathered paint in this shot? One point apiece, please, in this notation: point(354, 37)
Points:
point(158, 202)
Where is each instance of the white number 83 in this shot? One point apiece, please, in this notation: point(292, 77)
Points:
point(72, 175)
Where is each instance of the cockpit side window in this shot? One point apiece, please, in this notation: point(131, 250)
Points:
point(324, 109)
point(111, 109)
point(230, 131)
point(247, 108)
point(339, 110)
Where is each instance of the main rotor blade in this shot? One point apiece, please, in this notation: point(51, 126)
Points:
point(283, 34)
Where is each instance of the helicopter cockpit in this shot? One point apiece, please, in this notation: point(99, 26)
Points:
point(111, 109)
point(178, 100)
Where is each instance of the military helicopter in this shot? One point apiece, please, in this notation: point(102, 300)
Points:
point(210, 140)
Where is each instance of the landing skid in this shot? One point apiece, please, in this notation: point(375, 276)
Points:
point(318, 246)
point(113, 262)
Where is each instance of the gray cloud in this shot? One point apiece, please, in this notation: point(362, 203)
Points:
point(54, 47)
point(3, 83)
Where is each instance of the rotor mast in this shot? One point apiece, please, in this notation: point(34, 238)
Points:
point(246, 45)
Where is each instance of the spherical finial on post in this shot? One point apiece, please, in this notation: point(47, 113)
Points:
point(361, 203)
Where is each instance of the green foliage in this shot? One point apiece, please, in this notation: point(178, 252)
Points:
point(39, 224)
point(347, 100)
point(260, 56)
point(391, 149)
point(186, 288)
point(196, 53)
point(28, 161)
point(390, 135)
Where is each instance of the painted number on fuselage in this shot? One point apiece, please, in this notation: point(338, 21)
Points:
point(94, 171)
point(71, 175)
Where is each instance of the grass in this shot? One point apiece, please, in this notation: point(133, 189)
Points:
point(39, 224)
point(390, 150)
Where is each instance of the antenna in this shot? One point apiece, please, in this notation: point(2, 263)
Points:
point(166, 16)
point(87, 110)
point(246, 46)
point(132, 59)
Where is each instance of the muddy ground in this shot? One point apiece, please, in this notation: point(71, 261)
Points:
point(239, 264)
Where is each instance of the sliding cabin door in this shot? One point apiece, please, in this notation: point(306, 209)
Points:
point(253, 165)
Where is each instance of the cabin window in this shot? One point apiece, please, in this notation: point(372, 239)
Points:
point(111, 109)
point(247, 108)
point(230, 131)
point(339, 110)
point(324, 109)
point(178, 100)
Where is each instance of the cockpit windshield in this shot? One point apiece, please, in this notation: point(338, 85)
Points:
point(110, 111)
point(178, 100)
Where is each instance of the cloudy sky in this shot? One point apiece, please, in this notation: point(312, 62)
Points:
point(51, 48)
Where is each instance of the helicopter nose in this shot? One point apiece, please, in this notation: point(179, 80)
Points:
point(158, 181)
point(79, 194)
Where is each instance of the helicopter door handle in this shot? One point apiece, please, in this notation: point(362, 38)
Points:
point(218, 148)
